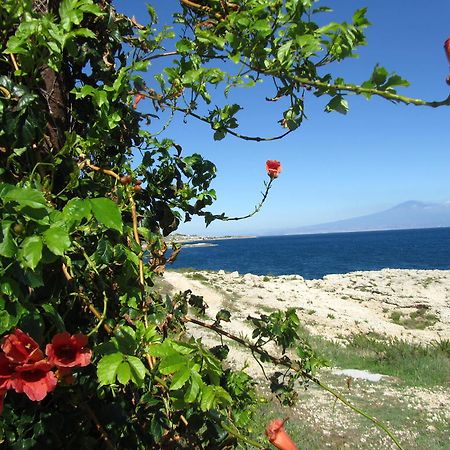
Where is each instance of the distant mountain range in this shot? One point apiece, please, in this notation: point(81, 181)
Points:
point(407, 215)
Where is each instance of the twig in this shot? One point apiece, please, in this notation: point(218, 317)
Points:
point(66, 273)
point(229, 130)
point(13, 59)
point(99, 427)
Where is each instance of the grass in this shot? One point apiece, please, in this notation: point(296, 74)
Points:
point(412, 364)
point(418, 319)
point(315, 426)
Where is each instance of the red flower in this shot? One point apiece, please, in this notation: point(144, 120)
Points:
point(2, 397)
point(68, 351)
point(137, 98)
point(277, 435)
point(7, 371)
point(447, 48)
point(273, 168)
point(34, 380)
point(21, 348)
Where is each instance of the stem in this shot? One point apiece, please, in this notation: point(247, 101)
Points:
point(136, 237)
point(210, 217)
point(99, 169)
point(102, 316)
point(97, 314)
point(290, 365)
point(234, 432)
point(257, 208)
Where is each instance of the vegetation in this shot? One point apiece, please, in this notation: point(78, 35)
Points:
point(92, 356)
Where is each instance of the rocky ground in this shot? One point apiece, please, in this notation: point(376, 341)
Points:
point(412, 305)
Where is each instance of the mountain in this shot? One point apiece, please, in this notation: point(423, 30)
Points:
point(407, 215)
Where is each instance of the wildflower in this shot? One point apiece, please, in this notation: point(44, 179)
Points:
point(68, 351)
point(273, 168)
point(137, 98)
point(447, 48)
point(20, 348)
point(278, 437)
point(34, 380)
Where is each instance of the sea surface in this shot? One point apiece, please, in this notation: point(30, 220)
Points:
point(314, 256)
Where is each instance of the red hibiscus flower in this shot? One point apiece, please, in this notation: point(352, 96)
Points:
point(68, 351)
point(34, 380)
point(278, 437)
point(447, 48)
point(21, 348)
point(273, 168)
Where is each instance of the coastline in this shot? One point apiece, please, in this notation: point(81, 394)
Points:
point(188, 238)
point(407, 304)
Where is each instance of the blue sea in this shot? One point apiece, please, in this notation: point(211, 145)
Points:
point(314, 256)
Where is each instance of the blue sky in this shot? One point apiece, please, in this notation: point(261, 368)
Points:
point(335, 166)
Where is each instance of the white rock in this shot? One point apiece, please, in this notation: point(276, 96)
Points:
point(359, 374)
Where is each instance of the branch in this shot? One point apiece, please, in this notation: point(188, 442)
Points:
point(229, 130)
point(361, 90)
point(286, 362)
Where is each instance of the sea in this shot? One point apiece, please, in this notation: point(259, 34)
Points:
point(316, 255)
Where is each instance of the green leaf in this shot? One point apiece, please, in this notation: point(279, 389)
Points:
point(138, 370)
point(194, 388)
point(107, 213)
point(124, 373)
point(77, 209)
point(30, 252)
point(107, 368)
point(8, 247)
point(179, 379)
point(223, 315)
point(104, 252)
point(208, 397)
point(69, 14)
point(25, 197)
point(338, 104)
point(57, 240)
point(172, 364)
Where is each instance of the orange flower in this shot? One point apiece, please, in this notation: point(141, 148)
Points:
point(137, 98)
point(447, 48)
point(277, 435)
point(273, 168)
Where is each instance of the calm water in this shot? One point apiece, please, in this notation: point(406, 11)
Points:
point(314, 256)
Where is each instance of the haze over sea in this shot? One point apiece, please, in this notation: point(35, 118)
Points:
point(314, 256)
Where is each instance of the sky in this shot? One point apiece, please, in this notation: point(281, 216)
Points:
point(334, 166)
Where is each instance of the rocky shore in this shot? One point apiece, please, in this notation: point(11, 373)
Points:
point(413, 305)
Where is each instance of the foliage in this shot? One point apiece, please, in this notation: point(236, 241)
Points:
point(77, 205)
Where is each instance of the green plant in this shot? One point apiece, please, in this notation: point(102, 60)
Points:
point(76, 207)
